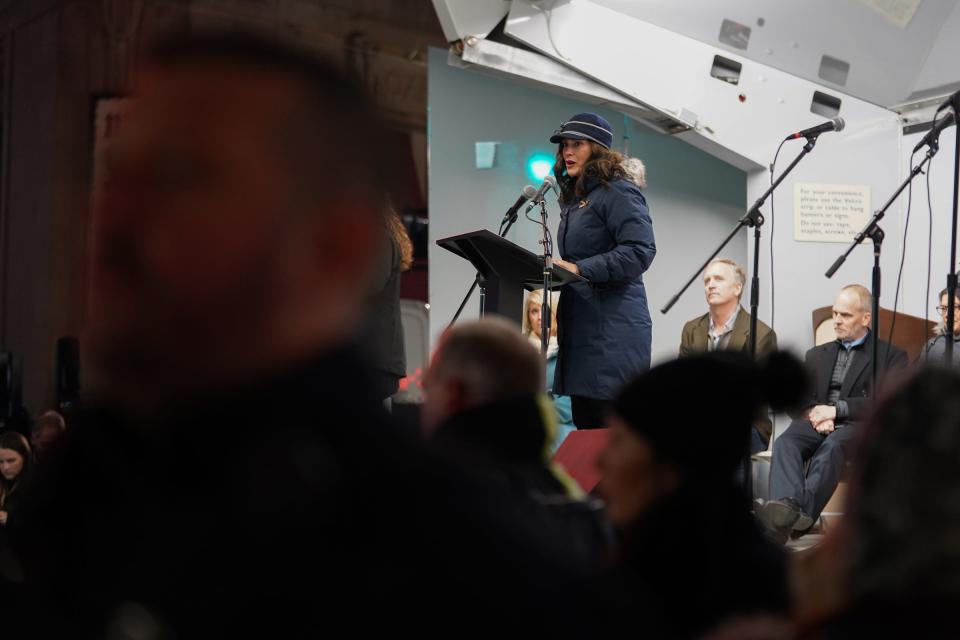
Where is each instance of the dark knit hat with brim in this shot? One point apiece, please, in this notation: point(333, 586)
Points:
point(585, 126)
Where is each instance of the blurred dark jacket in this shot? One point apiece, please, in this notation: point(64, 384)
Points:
point(505, 444)
point(696, 332)
point(694, 561)
point(283, 508)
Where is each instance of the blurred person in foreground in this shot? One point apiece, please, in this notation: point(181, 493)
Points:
point(691, 554)
point(235, 475)
point(486, 409)
point(893, 568)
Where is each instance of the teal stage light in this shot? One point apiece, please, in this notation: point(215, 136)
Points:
point(539, 166)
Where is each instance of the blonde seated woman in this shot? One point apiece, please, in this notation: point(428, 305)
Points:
point(531, 329)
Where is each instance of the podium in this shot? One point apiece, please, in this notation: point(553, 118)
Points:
point(506, 270)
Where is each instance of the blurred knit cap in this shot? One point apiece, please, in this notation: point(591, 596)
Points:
point(697, 412)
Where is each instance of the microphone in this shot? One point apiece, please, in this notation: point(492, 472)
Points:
point(837, 124)
point(934, 133)
point(528, 192)
point(548, 183)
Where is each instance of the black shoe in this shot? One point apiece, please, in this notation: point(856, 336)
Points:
point(803, 522)
point(804, 525)
point(781, 518)
point(776, 536)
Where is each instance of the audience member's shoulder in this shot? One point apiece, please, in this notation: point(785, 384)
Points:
point(826, 347)
point(693, 323)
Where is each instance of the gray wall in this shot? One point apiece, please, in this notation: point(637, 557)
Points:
point(880, 160)
point(694, 198)
point(865, 154)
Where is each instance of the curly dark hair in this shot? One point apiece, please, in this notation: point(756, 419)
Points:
point(400, 237)
point(604, 164)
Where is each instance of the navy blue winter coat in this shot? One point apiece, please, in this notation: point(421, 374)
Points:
point(604, 327)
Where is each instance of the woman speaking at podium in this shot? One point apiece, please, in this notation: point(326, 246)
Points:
point(606, 236)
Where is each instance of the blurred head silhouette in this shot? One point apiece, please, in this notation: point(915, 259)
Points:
point(904, 511)
point(480, 363)
point(238, 225)
point(685, 425)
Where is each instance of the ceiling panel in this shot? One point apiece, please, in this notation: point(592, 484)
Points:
point(886, 43)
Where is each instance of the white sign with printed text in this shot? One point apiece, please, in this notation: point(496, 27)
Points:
point(829, 212)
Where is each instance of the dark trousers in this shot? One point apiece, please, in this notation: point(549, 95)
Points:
point(589, 413)
point(827, 455)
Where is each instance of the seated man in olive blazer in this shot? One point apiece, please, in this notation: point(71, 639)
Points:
point(726, 327)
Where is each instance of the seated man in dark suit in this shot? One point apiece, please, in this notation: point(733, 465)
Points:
point(726, 327)
point(824, 432)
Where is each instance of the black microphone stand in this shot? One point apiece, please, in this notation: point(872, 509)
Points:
point(954, 103)
point(545, 312)
point(753, 218)
point(875, 233)
point(505, 225)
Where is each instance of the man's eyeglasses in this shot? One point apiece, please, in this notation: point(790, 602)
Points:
point(943, 308)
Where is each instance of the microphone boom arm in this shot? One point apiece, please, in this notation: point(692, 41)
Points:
point(752, 218)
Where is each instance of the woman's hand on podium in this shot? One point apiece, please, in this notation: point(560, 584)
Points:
point(569, 266)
